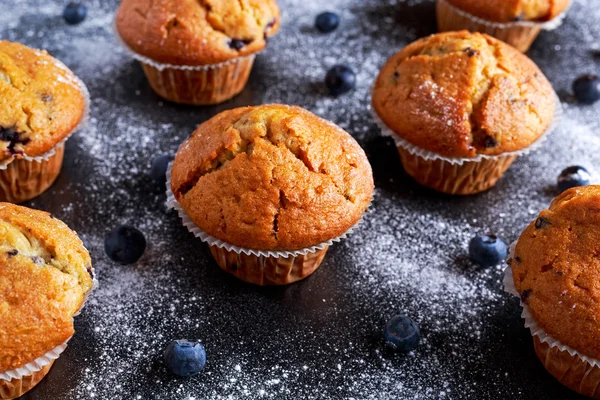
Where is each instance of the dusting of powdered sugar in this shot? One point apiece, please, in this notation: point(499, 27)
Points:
point(321, 338)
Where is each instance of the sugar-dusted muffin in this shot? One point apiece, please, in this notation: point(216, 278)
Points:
point(461, 104)
point(517, 22)
point(556, 271)
point(197, 52)
point(271, 178)
point(41, 103)
point(45, 274)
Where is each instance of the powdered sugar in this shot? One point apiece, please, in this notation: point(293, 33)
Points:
point(320, 338)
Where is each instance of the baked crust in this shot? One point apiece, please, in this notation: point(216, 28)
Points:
point(460, 94)
point(40, 101)
point(556, 269)
point(45, 273)
point(196, 32)
point(272, 177)
point(513, 10)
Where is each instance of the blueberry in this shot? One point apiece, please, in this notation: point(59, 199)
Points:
point(402, 333)
point(74, 13)
point(158, 171)
point(340, 79)
point(487, 250)
point(572, 177)
point(124, 244)
point(587, 89)
point(185, 358)
point(327, 22)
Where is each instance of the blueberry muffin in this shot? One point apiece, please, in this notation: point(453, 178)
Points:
point(42, 102)
point(197, 52)
point(271, 179)
point(555, 270)
point(45, 274)
point(462, 106)
point(517, 22)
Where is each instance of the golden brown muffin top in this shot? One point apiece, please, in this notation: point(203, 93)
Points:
point(556, 269)
point(45, 273)
point(272, 177)
point(460, 94)
point(196, 32)
point(40, 101)
point(512, 10)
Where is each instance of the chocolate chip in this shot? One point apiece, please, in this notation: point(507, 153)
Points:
point(519, 17)
point(525, 295)
point(517, 259)
point(470, 52)
point(490, 142)
point(47, 97)
point(37, 260)
point(541, 223)
point(90, 271)
point(238, 44)
point(12, 253)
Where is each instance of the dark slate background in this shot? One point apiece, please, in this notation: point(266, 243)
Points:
point(320, 338)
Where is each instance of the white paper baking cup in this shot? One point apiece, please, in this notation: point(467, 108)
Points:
point(534, 328)
point(162, 66)
point(172, 203)
point(82, 122)
point(547, 25)
point(429, 155)
point(34, 366)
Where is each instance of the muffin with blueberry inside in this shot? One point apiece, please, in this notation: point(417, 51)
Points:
point(269, 188)
point(41, 103)
point(517, 22)
point(461, 107)
point(555, 269)
point(197, 52)
point(45, 275)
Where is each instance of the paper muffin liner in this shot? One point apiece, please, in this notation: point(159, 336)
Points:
point(519, 34)
point(172, 203)
point(535, 329)
point(35, 365)
point(194, 84)
point(82, 122)
point(461, 176)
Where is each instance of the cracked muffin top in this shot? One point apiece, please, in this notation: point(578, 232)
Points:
point(460, 94)
point(272, 177)
point(556, 265)
point(45, 273)
point(40, 101)
point(196, 32)
point(512, 10)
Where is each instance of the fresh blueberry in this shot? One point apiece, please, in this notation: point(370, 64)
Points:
point(74, 13)
point(185, 358)
point(124, 244)
point(158, 171)
point(487, 251)
point(572, 177)
point(327, 22)
point(340, 79)
point(402, 333)
point(587, 89)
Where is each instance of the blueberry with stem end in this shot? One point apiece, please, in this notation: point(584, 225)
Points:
point(340, 79)
point(185, 358)
point(487, 250)
point(401, 333)
point(327, 22)
point(572, 177)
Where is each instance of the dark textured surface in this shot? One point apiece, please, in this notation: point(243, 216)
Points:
point(320, 338)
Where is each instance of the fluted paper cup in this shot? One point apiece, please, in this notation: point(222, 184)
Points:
point(260, 267)
point(195, 84)
point(23, 177)
point(458, 176)
point(573, 369)
point(519, 34)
